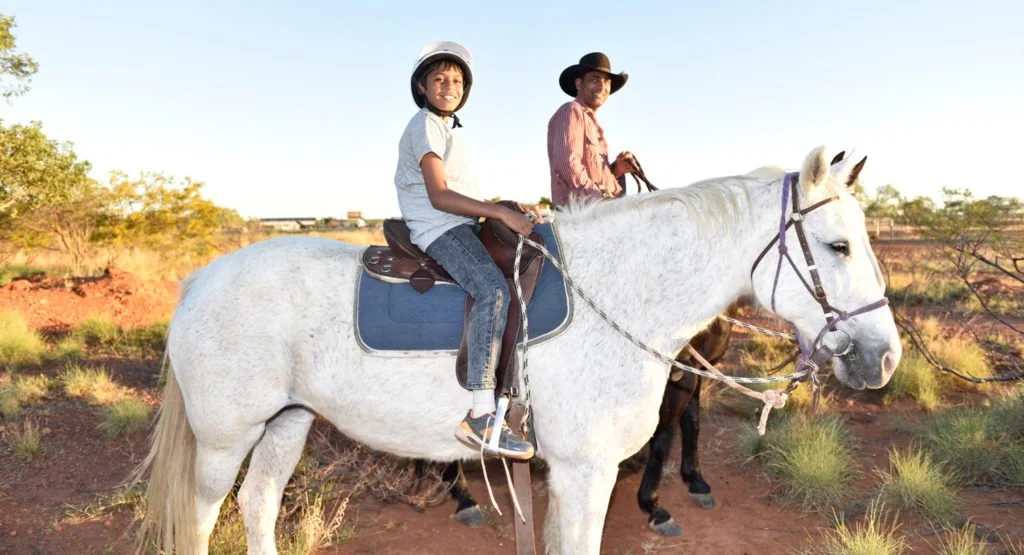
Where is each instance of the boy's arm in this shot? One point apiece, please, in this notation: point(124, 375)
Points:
point(447, 200)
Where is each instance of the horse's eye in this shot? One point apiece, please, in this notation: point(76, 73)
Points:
point(841, 247)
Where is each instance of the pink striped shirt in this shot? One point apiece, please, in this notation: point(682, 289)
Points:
point(578, 155)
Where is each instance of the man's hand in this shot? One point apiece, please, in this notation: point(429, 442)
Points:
point(624, 163)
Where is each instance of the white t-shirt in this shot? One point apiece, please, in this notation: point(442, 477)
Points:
point(427, 133)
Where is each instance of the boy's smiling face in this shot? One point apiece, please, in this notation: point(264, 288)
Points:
point(443, 88)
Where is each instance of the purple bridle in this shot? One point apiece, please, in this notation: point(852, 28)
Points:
point(816, 353)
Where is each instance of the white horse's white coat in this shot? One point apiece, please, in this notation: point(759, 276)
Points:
point(272, 325)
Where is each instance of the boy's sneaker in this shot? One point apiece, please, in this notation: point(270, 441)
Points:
point(474, 432)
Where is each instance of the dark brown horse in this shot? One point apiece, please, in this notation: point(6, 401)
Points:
point(681, 404)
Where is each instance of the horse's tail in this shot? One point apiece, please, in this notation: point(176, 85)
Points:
point(170, 520)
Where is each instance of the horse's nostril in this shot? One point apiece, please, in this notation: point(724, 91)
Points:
point(889, 362)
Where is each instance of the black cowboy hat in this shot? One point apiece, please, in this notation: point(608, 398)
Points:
point(595, 61)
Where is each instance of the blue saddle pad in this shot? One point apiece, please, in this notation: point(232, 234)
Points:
point(395, 317)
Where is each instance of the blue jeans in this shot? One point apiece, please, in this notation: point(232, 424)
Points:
point(464, 257)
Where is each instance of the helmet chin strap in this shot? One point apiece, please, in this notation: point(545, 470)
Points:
point(455, 119)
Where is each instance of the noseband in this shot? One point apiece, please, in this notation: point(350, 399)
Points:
point(815, 352)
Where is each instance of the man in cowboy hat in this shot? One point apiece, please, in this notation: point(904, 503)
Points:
point(577, 151)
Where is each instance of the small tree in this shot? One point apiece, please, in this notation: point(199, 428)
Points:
point(977, 237)
point(16, 69)
point(155, 211)
point(886, 204)
point(34, 170)
point(66, 227)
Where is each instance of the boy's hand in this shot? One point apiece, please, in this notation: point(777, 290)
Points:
point(516, 221)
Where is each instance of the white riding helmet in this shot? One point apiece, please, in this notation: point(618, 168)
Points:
point(443, 50)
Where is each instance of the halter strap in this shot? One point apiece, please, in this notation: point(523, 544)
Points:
point(833, 315)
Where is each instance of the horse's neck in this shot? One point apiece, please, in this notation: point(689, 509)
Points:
point(663, 279)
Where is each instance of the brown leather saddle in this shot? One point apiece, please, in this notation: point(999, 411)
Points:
point(401, 260)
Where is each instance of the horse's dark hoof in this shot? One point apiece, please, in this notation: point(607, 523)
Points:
point(470, 516)
point(668, 529)
point(704, 500)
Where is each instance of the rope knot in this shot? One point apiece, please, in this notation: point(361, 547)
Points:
point(773, 399)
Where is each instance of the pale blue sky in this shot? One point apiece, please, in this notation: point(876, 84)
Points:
point(296, 109)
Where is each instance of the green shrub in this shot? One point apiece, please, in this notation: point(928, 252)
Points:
point(10, 407)
point(810, 458)
point(962, 541)
point(956, 351)
point(876, 535)
point(100, 333)
point(917, 483)
point(147, 341)
point(12, 272)
point(69, 349)
point(16, 391)
point(25, 441)
point(92, 384)
point(982, 445)
point(20, 345)
point(126, 416)
point(917, 379)
point(104, 335)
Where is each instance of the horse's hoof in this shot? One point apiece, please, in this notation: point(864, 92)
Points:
point(668, 529)
point(704, 500)
point(470, 516)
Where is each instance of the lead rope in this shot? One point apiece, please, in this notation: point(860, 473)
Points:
point(772, 398)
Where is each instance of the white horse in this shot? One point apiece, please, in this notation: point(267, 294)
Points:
point(270, 327)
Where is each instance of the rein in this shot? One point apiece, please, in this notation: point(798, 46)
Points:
point(811, 357)
point(639, 176)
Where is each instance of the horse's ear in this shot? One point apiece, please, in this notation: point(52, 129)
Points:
point(838, 158)
point(855, 172)
point(815, 169)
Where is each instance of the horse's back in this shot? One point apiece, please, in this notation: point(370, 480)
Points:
point(238, 328)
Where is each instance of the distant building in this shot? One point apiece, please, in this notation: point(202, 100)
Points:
point(355, 215)
point(287, 224)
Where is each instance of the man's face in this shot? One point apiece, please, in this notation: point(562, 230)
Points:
point(443, 88)
point(593, 88)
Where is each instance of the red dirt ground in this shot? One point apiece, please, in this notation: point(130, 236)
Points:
point(56, 303)
point(78, 463)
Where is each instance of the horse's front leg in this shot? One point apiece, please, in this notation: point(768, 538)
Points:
point(660, 520)
point(689, 423)
point(580, 491)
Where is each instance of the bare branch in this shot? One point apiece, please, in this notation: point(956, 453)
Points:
point(915, 337)
point(995, 264)
point(985, 306)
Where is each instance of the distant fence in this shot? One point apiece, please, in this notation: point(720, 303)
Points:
point(892, 228)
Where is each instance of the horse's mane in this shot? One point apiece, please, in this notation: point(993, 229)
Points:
point(713, 205)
